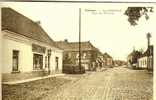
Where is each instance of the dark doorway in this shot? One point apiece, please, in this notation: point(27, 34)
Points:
point(57, 62)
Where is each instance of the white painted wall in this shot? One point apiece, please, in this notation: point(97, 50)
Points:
point(25, 55)
point(53, 57)
point(142, 65)
point(12, 42)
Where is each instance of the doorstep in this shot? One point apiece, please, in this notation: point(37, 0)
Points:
point(32, 79)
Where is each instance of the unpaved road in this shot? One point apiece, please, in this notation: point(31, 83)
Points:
point(118, 83)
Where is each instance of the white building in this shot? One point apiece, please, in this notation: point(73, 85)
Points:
point(142, 62)
point(26, 47)
point(147, 59)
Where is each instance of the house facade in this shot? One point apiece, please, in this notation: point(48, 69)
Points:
point(141, 60)
point(129, 60)
point(108, 60)
point(132, 58)
point(26, 46)
point(146, 61)
point(100, 60)
point(89, 54)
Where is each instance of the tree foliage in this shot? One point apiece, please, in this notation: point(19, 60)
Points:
point(148, 35)
point(134, 13)
point(141, 50)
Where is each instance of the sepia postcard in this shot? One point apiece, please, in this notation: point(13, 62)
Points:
point(77, 50)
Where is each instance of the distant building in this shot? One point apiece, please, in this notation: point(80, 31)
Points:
point(119, 62)
point(129, 59)
point(132, 58)
point(108, 60)
point(141, 60)
point(89, 53)
point(100, 60)
point(27, 48)
point(146, 60)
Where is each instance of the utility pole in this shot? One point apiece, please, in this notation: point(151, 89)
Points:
point(148, 50)
point(80, 39)
point(148, 39)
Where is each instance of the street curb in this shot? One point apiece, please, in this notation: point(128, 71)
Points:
point(30, 80)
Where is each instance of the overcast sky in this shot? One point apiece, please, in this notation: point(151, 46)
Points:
point(109, 30)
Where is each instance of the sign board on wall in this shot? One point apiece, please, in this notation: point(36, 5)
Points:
point(38, 48)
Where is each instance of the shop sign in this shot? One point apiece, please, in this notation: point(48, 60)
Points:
point(38, 48)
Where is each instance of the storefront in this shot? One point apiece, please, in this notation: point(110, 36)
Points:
point(38, 52)
point(37, 61)
point(27, 51)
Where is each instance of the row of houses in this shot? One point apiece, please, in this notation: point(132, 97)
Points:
point(119, 62)
point(141, 60)
point(27, 49)
point(91, 57)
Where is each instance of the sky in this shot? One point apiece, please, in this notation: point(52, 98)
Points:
point(107, 29)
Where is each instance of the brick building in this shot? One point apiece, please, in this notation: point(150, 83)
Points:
point(108, 60)
point(89, 54)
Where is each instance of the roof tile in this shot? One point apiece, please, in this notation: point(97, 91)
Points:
point(18, 23)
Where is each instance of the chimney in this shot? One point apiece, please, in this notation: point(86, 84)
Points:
point(65, 40)
point(38, 22)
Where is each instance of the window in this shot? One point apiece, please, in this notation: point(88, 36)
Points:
point(84, 55)
point(145, 62)
point(57, 63)
point(37, 61)
point(77, 55)
point(15, 61)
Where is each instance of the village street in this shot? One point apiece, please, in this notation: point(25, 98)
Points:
point(77, 59)
point(118, 83)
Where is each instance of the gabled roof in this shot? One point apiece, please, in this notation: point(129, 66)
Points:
point(106, 55)
point(99, 52)
point(63, 45)
point(135, 53)
point(148, 52)
point(74, 46)
point(18, 23)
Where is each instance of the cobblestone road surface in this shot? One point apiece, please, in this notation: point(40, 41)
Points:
point(118, 83)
